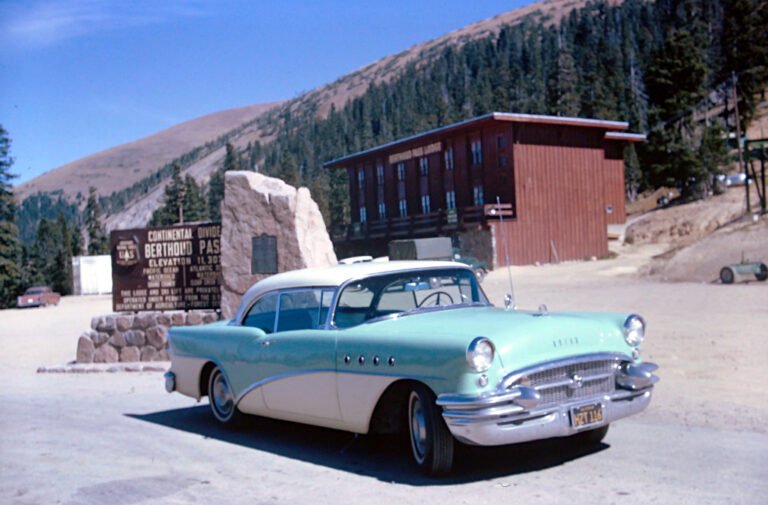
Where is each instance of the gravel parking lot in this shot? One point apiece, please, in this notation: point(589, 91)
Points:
point(118, 438)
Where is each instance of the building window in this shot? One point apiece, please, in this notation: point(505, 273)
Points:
point(425, 207)
point(501, 141)
point(478, 194)
point(448, 155)
point(477, 152)
point(503, 161)
point(424, 165)
point(403, 208)
point(361, 177)
point(401, 171)
point(382, 211)
point(450, 200)
point(363, 215)
point(380, 174)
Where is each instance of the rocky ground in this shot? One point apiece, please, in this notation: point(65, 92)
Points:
point(694, 241)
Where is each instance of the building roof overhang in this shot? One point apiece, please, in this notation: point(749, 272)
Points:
point(626, 137)
point(612, 127)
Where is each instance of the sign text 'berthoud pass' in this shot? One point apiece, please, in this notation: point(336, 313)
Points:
point(169, 268)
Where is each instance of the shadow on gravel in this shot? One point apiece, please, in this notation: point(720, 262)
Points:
point(385, 457)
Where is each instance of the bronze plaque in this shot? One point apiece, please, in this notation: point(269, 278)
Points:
point(264, 254)
point(168, 268)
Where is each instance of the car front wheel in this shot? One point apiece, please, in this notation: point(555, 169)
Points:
point(431, 442)
point(221, 398)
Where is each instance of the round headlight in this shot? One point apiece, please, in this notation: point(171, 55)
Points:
point(634, 330)
point(480, 354)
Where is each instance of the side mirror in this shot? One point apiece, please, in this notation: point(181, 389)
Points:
point(509, 302)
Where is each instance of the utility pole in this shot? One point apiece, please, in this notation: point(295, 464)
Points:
point(742, 167)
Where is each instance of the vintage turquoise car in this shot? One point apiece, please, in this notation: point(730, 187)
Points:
point(413, 346)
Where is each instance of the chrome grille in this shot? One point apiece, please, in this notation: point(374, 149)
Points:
point(554, 384)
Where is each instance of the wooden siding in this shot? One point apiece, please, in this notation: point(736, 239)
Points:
point(560, 199)
point(615, 192)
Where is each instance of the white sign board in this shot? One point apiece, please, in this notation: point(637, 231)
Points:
point(92, 275)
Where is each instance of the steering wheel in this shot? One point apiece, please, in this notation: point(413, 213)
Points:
point(436, 294)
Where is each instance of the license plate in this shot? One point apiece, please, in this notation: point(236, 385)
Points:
point(587, 415)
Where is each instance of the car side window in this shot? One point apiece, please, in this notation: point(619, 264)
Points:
point(262, 314)
point(303, 309)
point(354, 304)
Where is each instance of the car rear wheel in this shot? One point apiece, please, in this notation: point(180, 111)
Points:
point(221, 399)
point(726, 275)
point(431, 442)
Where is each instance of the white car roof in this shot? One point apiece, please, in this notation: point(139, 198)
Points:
point(334, 276)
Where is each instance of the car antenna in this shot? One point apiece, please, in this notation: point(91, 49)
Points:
point(509, 298)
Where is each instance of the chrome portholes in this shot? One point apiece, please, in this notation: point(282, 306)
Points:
point(376, 360)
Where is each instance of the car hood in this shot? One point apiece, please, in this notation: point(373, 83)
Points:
point(521, 338)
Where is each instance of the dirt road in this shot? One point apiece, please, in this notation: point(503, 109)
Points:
point(120, 439)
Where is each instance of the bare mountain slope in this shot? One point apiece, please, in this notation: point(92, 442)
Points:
point(121, 166)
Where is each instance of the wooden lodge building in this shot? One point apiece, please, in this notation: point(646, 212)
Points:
point(559, 182)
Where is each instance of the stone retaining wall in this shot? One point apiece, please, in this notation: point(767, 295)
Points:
point(134, 337)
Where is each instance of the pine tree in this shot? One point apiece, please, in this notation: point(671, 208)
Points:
point(43, 253)
point(10, 248)
point(563, 95)
point(215, 195)
point(675, 84)
point(193, 202)
point(216, 184)
point(289, 171)
point(61, 275)
point(98, 243)
point(77, 244)
point(633, 175)
point(745, 48)
point(231, 160)
point(172, 210)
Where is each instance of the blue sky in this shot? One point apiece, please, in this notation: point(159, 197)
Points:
point(80, 76)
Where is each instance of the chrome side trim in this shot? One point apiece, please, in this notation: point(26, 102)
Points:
point(467, 402)
point(274, 378)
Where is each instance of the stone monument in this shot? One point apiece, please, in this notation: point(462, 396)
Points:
point(267, 227)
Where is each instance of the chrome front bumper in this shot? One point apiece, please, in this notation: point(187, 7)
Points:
point(515, 415)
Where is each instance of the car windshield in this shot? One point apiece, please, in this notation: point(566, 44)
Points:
point(406, 292)
point(34, 291)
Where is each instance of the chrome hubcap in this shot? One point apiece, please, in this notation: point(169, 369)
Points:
point(418, 429)
point(222, 396)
